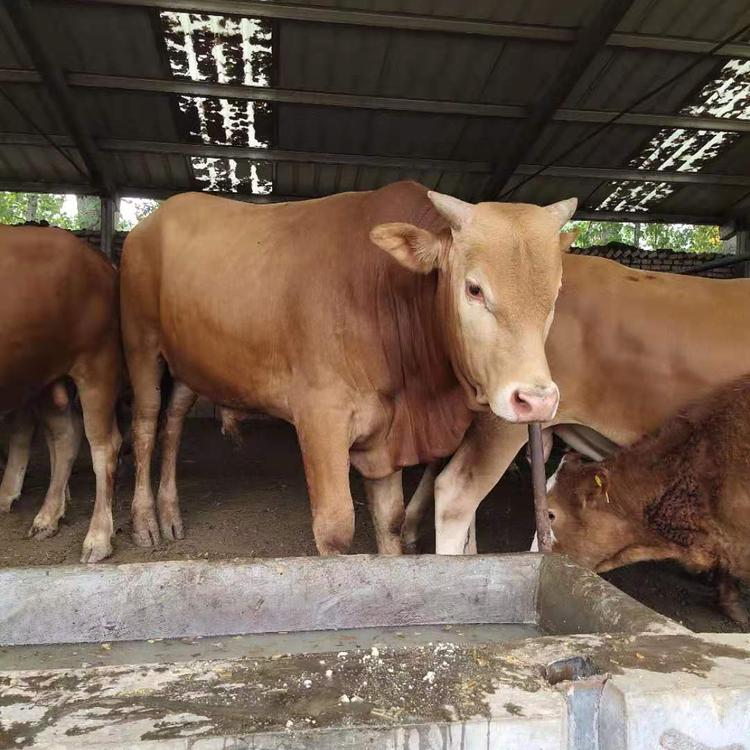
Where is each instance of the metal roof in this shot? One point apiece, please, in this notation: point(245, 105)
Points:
point(470, 98)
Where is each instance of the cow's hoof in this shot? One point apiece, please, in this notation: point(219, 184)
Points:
point(6, 503)
point(738, 615)
point(146, 531)
point(171, 526)
point(411, 547)
point(96, 547)
point(42, 528)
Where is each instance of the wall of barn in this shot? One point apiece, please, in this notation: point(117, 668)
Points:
point(660, 260)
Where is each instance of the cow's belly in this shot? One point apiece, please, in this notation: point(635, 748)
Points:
point(227, 378)
point(24, 373)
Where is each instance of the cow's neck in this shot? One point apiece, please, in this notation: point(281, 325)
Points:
point(431, 413)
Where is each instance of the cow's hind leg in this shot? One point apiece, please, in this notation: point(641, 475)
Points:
point(22, 430)
point(170, 520)
point(325, 441)
point(386, 500)
point(417, 508)
point(146, 367)
point(730, 599)
point(97, 378)
point(62, 432)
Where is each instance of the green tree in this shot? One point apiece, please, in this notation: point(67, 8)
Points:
point(684, 238)
point(133, 210)
point(16, 208)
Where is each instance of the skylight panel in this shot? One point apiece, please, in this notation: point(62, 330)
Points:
point(220, 49)
point(680, 150)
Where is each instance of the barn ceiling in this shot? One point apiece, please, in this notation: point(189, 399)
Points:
point(641, 108)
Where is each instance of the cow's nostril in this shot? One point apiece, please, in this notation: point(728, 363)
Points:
point(520, 404)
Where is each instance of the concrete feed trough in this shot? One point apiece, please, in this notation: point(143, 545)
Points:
point(426, 652)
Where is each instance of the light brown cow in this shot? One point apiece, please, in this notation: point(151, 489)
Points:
point(59, 311)
point(681, 493)
point(62, 426)
point(627, 349)
point(376, 322)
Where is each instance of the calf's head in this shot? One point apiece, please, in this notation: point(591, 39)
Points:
point(499, 273)
point(587, 524)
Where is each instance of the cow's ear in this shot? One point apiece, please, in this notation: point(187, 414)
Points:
point(567, 239)
point(413, 247)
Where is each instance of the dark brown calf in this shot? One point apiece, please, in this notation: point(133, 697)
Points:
point(59, 312)
point(681, 493)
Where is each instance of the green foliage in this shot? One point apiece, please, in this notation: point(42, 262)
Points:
point(16, 208)
point(133, 210)
point(684, 238)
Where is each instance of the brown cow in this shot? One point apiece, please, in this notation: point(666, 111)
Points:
point(63, 428)
point(627, 349)
point(681, 493)
point(59, 311)
point(376, 322)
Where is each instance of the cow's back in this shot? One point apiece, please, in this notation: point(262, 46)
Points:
point(629, 348)
point(58, 299)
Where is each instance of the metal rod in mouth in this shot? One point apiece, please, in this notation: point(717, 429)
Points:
point(539, 483)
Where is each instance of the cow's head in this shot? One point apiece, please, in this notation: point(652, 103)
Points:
point(499, 272)
point(588, 525)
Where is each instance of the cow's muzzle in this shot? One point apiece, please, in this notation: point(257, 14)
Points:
point(534, 404)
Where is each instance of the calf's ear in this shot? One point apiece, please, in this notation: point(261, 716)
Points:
point(598, 491)
point(413, 247)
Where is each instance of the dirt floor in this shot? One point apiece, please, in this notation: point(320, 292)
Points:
point(250, 501)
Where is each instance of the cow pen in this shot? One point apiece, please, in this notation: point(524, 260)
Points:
point(240, 635)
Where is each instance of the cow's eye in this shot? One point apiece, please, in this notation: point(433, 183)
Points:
point(474, 291)
point(551, 516)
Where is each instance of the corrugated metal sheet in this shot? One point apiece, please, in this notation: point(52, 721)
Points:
point(128, 41)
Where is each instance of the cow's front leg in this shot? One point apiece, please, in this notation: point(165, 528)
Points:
point(482, 458)
point(325, 439)
point(386, 500)
point(19, 450)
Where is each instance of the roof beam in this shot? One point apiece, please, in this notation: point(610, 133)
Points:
point(634, 175)
point(356, 101)
point(641, 217)
point(424, 23)
point(135, 191)
point(590, 41)
point(22, 18)
point(394, 162)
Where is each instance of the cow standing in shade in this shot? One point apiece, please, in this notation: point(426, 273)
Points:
point(59, 312)
point(377, 323)
point(627, 349)
point(681, 493)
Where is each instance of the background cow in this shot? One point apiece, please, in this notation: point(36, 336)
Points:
point(627, 349)
point(58, 305)
point(681, 493)
point(376, 322)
